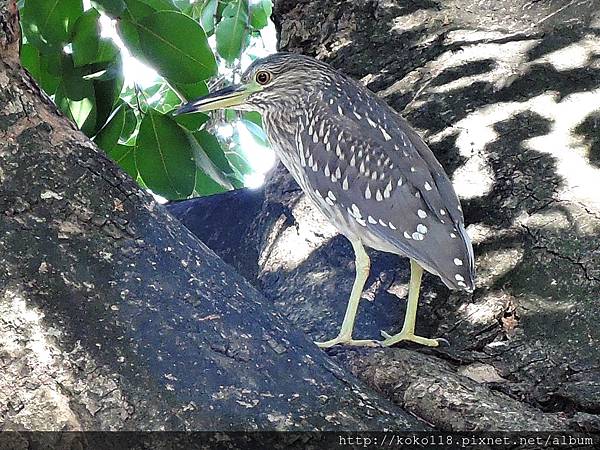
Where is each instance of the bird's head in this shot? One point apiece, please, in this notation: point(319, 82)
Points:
point(279, 79)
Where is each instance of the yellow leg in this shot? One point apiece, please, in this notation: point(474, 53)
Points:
point(363, 265)
point(408, 329)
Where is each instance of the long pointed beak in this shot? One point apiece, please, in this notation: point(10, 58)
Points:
point(228, 97)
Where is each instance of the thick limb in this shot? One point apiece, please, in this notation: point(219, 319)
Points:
point(408, 328)
point(363, 264)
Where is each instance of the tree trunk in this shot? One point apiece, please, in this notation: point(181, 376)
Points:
point(114, 316)
point(507, 94)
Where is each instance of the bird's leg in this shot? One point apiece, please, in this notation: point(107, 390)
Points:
point(408, 329)
point(363, 265)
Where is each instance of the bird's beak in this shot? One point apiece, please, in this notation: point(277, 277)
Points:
point(228, 97)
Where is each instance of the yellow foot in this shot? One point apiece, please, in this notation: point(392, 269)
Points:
point(348, 341)
point(391, 340)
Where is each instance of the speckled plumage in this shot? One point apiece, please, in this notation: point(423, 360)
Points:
point(363, 165)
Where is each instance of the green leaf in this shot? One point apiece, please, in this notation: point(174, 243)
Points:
point(204, 163)
point(176, 46)
point(86, 38)
point(191, 91)
point(253, 116)
point(49, 65)
point(130, 124)
point(164, 158)
point(76, 97)
point(138, 9)
point(205, 185)
point(107, 94)
point(260, 13)
point(108, 137)
point(30, 59)
point(232, 30)
point(191, 122)
point(208, 14)
point(113, 8)
point(125, 157)
point(213, 150)
point(54, 18)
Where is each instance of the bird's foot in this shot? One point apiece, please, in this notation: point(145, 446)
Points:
point(343, 340)
point(404, 336)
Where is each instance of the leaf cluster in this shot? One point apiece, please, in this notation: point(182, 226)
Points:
point(65, 50)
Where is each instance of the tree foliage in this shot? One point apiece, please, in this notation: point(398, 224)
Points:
point(65, 51)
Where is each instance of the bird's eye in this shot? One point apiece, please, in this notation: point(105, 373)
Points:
point(263, 77)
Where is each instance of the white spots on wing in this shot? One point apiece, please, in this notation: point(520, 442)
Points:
point(417, 236)
point(385, 135)
point(340, 111)
point(353, 160)
point(453, 236)
point(374, 176)
point(407, 236)
point(418, 194)
point(338, 152)
point(388, 190)
point(328, 146)
point(362, 222)
point(459, 277)
point(373, 124)
point(458, 262)
point(345, 184)
point(461, 284)
point(315, 138)
point(382, 223)
point(422, 214)
point(427, 186)
point(358, 116)
point(326, 170)
point(399, 181)
point(378, 196)
point(361, 168)
point(442, 212)
point(331, 101)
point(329, 201)
point(412, 169)
point(422, 228)
point(355, 211)
point(368, 192)
point(315, 167)
point(331, 195)
point(338, 173)
point(371, 220)
point(391, 225)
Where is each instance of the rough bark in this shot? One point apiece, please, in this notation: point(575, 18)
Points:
point(113, 316)
point(507, 94)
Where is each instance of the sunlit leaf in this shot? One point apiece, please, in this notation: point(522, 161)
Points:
point(207, 15)
point(76, 97)
point(204, 163)
point(232, 30)
point(54, 18)
point(176, 46)
point(164, 157)
point(113, 8)
point(213, 150)
point(260, 13)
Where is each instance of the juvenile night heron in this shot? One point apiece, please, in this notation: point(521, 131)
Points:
point(364, 167)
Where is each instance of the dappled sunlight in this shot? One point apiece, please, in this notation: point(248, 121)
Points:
point(289, 247)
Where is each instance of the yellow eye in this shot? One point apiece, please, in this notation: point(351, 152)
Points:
point(263, 77)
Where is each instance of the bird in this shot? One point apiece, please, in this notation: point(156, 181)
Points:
point(365, 168)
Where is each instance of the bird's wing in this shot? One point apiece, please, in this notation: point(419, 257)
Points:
point(368, 160)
